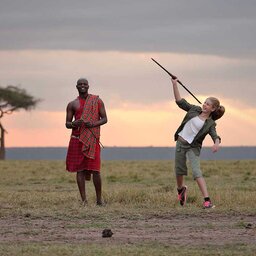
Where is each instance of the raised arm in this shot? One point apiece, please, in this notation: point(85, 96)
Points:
point(176, 90)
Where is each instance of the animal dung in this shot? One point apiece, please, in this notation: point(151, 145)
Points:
point(107, 232)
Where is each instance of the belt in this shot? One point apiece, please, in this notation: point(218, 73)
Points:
point(180, 139)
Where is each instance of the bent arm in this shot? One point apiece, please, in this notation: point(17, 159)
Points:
point(216, 139)
point(103, 116)
point(69, 116)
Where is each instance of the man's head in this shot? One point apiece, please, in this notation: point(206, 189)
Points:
point(82, 85)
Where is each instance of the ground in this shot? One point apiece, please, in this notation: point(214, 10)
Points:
point(203, 229)
point(41, 211)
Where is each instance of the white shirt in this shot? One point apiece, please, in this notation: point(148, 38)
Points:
point(191, 129)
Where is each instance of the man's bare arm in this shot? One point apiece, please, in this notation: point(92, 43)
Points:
point(103, 117)
point(69, 115)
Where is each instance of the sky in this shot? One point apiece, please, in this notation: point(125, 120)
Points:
point(45, 46)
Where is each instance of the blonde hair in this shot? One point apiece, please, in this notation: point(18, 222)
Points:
point(219, 110)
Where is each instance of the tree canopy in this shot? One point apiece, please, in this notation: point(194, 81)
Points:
point(13, 98)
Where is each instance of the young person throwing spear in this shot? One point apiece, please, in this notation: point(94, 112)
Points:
point(197, 123)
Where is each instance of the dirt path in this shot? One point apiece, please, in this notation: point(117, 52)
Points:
point(210, 228)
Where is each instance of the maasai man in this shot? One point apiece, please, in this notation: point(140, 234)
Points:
point(84, 116)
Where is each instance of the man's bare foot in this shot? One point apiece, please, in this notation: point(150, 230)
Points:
point(100, 203)
point(84, 203)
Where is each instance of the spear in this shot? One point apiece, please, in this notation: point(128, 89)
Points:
point(95, 137)
point(174, 77)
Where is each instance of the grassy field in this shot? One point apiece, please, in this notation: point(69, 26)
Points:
point(41, 213)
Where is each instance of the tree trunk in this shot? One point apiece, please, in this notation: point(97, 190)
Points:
point(2, 147)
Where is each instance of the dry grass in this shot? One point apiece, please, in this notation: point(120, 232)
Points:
point(133, 190)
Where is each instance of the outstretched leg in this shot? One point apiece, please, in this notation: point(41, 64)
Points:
point(202, 186)
point(97, 185)
point(80, 179)
point(197, 174)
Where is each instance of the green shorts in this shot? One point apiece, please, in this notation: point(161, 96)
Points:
point(183, 153)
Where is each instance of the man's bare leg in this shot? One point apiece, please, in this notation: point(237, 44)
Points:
point(97, 185)
point(80, 179)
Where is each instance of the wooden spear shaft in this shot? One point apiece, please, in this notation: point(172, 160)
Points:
point(173, 77)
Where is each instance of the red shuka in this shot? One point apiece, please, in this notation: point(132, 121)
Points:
point(76, 160)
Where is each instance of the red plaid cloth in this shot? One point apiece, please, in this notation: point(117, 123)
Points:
point(76, 161)
point(89, 136)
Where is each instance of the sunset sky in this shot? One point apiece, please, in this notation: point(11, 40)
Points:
point(45, 46)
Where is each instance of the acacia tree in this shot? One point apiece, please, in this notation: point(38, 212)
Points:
point(12, 99)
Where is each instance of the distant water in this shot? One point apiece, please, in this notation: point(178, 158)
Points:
point(130, 153)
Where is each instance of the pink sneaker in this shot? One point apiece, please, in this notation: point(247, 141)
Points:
point(208, 204)
point(182, 196)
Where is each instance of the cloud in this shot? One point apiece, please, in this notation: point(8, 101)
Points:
point(202, 27)
point(45, 46)
point(119, 77)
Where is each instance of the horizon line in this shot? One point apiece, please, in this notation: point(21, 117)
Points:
point(126, 146)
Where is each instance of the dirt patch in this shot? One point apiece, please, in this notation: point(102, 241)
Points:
point(202, 229)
